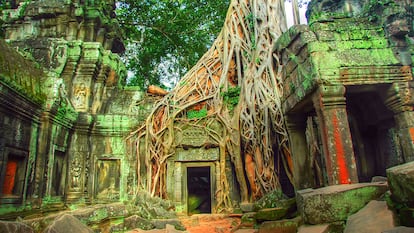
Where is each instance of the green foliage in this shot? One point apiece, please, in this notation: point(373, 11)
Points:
point(166, 38)
point(231, 97)
point(197, 114)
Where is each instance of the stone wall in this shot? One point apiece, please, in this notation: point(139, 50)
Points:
point(64, 97)
point(348, 91)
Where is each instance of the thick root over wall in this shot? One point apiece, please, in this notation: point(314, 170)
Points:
point(237, 83)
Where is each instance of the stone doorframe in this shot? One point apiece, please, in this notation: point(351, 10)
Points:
point(180, 194)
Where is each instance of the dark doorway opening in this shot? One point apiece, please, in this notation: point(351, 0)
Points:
point(373, 132)
point(199, 190)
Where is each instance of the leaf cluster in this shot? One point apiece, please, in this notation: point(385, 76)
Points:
point(167, 37)
point(196, 114)
point(231, 96)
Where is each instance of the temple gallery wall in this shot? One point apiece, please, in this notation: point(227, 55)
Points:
point(66, 116)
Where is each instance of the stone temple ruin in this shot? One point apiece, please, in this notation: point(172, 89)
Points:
point(65, 111)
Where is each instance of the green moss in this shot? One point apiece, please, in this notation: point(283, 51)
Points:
point(351, 201)
point(21, 75)
point(197, 114)
point(98, 215)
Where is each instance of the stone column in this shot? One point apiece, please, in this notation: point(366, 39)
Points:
point(330, 106)
point(302, 172)
point(400, 100)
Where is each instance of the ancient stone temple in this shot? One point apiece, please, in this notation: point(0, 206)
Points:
point(73, 135)
point(348, 91)
point(64, 110)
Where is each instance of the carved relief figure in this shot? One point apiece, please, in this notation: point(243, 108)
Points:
point(80, 96)
point(76, 173)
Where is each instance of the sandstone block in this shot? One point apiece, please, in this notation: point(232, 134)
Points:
point(271, 214)
point(247, 207)
point(323, 228)
point(400, 229)
point(248, 219)
point(282, 226)
point(14, 227)
point(67, 224)
point(374, 217)
point(136, 221)
point(337, 202)
point(401, 182)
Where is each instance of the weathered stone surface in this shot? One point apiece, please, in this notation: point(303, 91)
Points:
point(270, 200)
point(324, 228)
point(379, 179)
point(14, 227)
point(400, 229)
point(336, 203)
point(271, 214)
point(248, 219)
point(168, 229)
point(246, 231)
point(401, 182)
point(67, 224)
point(281, 226)
point(247, 207)
point(374, 217)
point(162, 223)
point(136, 221)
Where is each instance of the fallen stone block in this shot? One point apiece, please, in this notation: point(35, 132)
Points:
point(280, 226)
point(400, 229)
point(67, 224)
point(136, 221)
point(401, 182)
point(374, 217)
point(270, 214)
point(246, 231)
point(248, 219)
point(162, 223)
point(14, 227)
point(247, 207)
point(335, 203)
point(323, 228)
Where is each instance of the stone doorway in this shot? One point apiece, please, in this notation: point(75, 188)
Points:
point(12, 176)
point(374, 136)
point(199, 190)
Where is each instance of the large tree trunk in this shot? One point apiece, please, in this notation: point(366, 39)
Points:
point(241, 59)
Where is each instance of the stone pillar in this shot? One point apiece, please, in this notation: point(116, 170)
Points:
point(302, 171)
point(400, 100)
point(330, 106)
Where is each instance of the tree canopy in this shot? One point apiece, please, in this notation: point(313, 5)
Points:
point(166, 38)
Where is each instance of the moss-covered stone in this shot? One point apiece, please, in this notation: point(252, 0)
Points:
point(271, 214)
point(336, 203)
point(401, 181)
point(22, 75)
point(285, 226)
point(248, 219)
